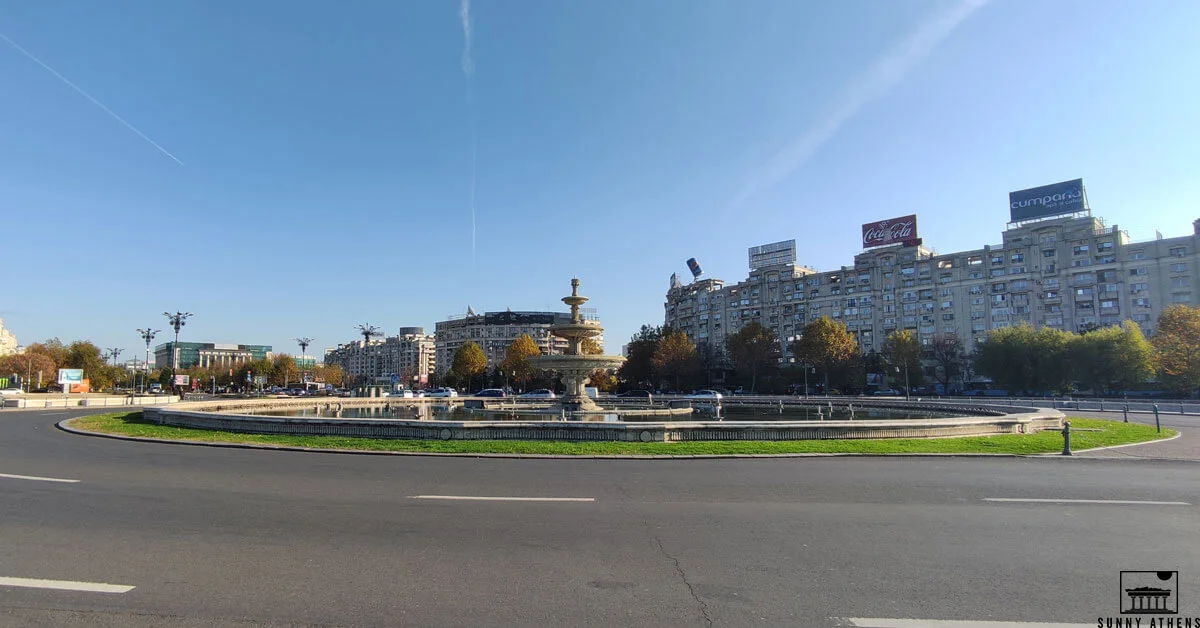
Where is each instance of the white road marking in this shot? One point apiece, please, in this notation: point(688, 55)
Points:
point(65, 585)
point(1126, 502)
point(34, 477)
point(506, 499)
point(881, 622)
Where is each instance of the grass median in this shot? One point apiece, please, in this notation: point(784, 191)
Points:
point(1110, 433)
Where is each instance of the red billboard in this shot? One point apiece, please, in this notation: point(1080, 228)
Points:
point(890, 231)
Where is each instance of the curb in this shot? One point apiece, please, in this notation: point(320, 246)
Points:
point(66, 428)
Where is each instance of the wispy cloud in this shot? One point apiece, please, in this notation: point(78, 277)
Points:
point(464, 16)
point(884, 73)
point(89, 97)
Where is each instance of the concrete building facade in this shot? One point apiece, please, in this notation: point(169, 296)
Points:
point(1067, 272)
point(495, 331)
point(206, 354)
point(409, 355)
point(8, 342)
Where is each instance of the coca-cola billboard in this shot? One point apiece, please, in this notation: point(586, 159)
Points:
point(890, 231)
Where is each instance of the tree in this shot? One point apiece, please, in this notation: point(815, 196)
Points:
point(468, 362)
point(28, 367)
point(589, 346)
point(1021, 359)
point(283, 371)
point(638, 369)
point(824, 343)
point(902, 353)
point(516, 358)
point(1177, 342)
point(753, 349)
point(603, 380)
point(1112, 358)
point(82, 354)
point(675, 357)
point(329, 373)
point(52, 348)
point(949, 360)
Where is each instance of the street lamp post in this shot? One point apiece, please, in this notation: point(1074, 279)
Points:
point(906, 389)
point(148, 335)
point(114, 352)
point(176, 321)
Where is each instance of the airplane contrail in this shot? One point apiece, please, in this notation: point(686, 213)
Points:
point(886, 71)
point(89, 97)
point(468, 68)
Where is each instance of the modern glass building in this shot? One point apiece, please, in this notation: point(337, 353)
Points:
point(206, 354)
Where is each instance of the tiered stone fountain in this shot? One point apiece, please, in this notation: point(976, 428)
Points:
point(574, 366)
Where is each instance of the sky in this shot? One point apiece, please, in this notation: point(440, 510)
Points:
point(295, 168)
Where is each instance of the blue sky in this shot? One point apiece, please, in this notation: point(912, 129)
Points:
point(313, 167)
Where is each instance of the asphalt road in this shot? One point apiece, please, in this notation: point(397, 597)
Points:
point(233, 537)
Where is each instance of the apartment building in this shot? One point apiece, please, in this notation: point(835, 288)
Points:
point(408, 355)
point(495, 331)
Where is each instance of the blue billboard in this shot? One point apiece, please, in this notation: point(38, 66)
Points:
point(1048, 200)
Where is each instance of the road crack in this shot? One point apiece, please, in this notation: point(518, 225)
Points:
point(683, 576)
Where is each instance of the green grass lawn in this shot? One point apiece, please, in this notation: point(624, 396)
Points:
point(1113, 433)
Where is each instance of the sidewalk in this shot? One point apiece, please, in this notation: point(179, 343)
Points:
point(1186, 447)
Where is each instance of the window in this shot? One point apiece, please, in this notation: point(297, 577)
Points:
point(974, 260)
point(977, 301)
point(1137, 255)
point(998, 287)
point(1104, 246)
point(1048, 253)
point(1182, 297)
point(1177, 251)
point(946, 292)
point(947, 305)
point(976, 289)
point(1181, 282)
point(1083, 293)
point(1178, 268)
point(998, 259)
point(1079, 249)
point(976, 274)
point(1051, 295)
point(999, 299)
point(1141, 302)
point(947, 317)
point(1016, 270)
point(1138, 288)
point(1108, 304)
point(1137, 272)
point(1017, 258)
point(1018, 285)
point(997, 272)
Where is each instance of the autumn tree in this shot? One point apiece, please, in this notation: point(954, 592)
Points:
point(825, 344)
point(902, 356)
point(589, 346)
point(1177, 343)
point(753, 349)
point(83, 354)
point(638, 369)
point(949, 359)
point(675, 358)
point(516, 359)
point(603, 380)
point(28, 367)
point(283, 370)
point(329, 373)
point(469, 361)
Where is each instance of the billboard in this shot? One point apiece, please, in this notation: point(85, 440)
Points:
point(694, 266)
point(182, 380)
point(518, 318)
point(770, 254)
point(70, 376)
point(1048, 200)
point(890, 231)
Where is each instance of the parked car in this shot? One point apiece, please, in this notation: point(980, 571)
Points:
point(541, 393)
point(887, 392)
point(490, 392)
point(642, 394)
point(442, 393)
point(705, 395)
point(11, 391)
point(404, 394)
point(156, 388)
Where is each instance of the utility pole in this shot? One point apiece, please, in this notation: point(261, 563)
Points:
point(176, 321)
point(148, 335)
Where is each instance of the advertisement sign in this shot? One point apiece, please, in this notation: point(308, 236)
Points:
point(1048, 200)
point(890, 231)
point(182, 380)
point(517, 318)
point(694, 266)
point(70, 376)
point(771, 254)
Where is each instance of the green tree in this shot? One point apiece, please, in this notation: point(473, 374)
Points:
point(1177, 342)
point(284, 371)
point(1020, 359)
point(468, 362)
point(1112, 358)
point(949, 360)
point(753, 349)
point(54, 349)
point(902, 355)
point(825, 344)
point(516, 359)
point(638, 369)
point(675, 357)
point(82, 354)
